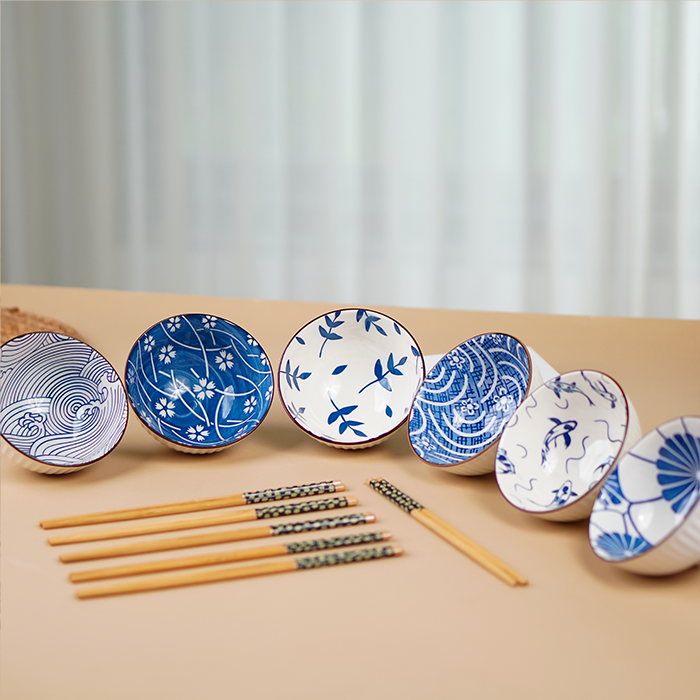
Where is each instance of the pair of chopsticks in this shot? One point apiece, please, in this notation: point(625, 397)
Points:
point(230, 536)
point(478, 554)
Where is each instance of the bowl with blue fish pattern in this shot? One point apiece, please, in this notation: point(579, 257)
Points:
point(467, 398)
point(561, 443)
point(348, 377)
point(199, 383)
point(646, 518)
point(63, 405)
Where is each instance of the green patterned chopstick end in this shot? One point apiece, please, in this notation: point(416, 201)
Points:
point(286, 492)
point(393, 494)
point(306, 507)
point(346, 557)
point(321, 524)
point(331, 542)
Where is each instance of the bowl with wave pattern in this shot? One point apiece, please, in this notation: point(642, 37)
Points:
point(466, 399)
point(646, 518)
point(562, 442)
point(63, 406)
point(199, 383)
point(348, 377)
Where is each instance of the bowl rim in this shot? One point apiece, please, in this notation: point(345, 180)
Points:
point(369, 441)
point(204, 449)
point(87, 463)
point(574, 502)
point(481, 452)
point(675, 529)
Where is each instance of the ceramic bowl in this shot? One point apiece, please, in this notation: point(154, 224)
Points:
point(63, 405)
point(199, 383)
point(348, 377)
point(646, 518)
point(562, 442)
point(466, 400)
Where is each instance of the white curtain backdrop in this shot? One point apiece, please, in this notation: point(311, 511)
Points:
point(520, 156)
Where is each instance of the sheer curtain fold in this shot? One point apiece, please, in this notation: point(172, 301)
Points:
point(509, 156)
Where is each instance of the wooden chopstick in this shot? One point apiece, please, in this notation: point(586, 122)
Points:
point(274, 550)
point(239, 499)
point(457, 539)
point(171, 543)
point(222, 519)
point(190, 579)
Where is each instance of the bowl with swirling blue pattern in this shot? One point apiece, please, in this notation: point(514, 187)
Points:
point(199, 383)
point(562, 442)
point(646, 518)
point(466, 400)
point(349, 376)
point(63, 406)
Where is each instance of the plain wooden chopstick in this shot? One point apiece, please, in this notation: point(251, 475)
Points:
point(457, 539)
point(239, 499)
point(240, 516)
point(191, 579)
point(171, 543)
point(274, 550)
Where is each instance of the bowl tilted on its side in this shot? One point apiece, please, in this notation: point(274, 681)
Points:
point(63, 404)
point(199, 383)
point(348, 377)
point(562, 442)
point(466, 400)
point(646, 518)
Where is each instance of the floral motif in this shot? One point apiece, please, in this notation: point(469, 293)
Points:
point(618, 545)
point(611, 492)
point(505, 403)
point(252, 341)
point(455, 358)
point(209, 321)
point(225, 360)
point(263, 359)
point(148, 343)
point(250, 405)
point(197, 433)
point(204, 389)
point(268, 393)
point(679, 470)
point(167, 353)
point(165, 408)
point(173, 323)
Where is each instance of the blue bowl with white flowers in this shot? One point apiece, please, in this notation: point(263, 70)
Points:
point(646, 518)
point(199, 383)
point(349, 376)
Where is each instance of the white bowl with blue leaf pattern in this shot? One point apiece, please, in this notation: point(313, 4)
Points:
point(646, 518)
point(467, 398)
point(348, 377)
point(562, 442)
point(63, 404)
point(199, 383)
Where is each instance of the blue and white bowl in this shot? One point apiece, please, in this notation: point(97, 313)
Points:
point(63, 406)
point(348, 377)
point(466, 400)
point(199, 383)
point(562, 442)
point(646, 518)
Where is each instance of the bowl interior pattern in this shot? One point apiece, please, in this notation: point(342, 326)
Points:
point(349, 377)
point(468, 397)
point(562, 441)
point(199, 381)
point(650, 492)
point(63, 404)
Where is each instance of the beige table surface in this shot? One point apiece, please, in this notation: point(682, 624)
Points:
point(430, 624)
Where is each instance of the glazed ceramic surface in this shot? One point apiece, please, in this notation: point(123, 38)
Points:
point(562, 441)
point(646, 518)
point(199, 383)
point(465, 401)
point(63, 405)
point(348, 377)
